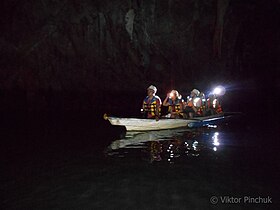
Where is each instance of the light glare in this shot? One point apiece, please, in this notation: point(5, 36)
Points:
point(219, 90)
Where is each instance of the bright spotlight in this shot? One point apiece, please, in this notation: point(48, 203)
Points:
point(219, 90)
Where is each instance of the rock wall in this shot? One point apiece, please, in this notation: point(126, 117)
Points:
point(77, 49)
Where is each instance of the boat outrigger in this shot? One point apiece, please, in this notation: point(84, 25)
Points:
point(139, 124)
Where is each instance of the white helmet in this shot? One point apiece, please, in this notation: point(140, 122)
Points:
point(196, 92)
point(151, 87)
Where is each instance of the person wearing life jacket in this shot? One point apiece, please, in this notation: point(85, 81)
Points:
point(213, 105)
point(194, 104)
point(203, 103)
point(151, 104)
point(174, 102)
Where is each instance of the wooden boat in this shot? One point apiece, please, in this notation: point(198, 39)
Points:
point(139, 124)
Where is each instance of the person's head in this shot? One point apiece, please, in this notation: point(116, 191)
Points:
point(151, 90)
point(195, 93)
point(211, 96)
point(174, 94)
point(202, 95)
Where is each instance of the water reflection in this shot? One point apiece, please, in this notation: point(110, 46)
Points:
point(167, 145)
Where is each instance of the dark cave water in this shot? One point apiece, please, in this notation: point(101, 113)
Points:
point(78, 161)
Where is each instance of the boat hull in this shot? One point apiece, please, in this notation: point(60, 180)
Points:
point(138, 124)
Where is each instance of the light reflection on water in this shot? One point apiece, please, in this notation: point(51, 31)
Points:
point(167, 145)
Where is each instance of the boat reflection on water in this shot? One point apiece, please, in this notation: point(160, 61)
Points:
point(166, 145)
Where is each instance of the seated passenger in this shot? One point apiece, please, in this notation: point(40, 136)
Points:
point(213, 105)
point(174, 102)
point(151, 104)
point(194, 104)
point(203, 103)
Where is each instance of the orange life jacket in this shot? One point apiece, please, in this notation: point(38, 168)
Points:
point(215, 105)
point(193, 102)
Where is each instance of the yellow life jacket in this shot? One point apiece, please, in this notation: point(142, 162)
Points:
point(150, 106)
point(175, 106)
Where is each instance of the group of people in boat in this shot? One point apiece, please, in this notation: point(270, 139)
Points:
point(196, 104)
